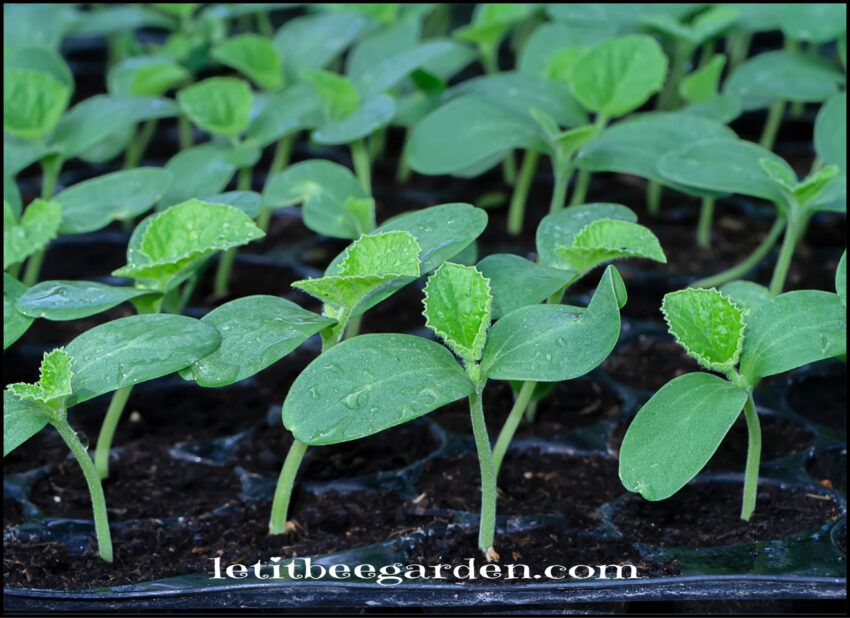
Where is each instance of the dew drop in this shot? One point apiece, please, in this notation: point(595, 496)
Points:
point(83, 438)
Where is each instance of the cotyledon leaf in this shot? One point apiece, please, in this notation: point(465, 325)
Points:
point(365, 120)
point(71, 300)
point(369, 383)
point(457, 308)
point(707, 324)
point(516, 282)
point(551, 343)
point(676, 432)
point(135, 349)
point(255, 331)
point(15, 323)
point(21, 421)
point(609, 239)
point(841, 279)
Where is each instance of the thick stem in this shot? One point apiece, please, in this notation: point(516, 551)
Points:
point(751, 473)
point(353, 328)
point(225, 263)
point(136, 150)
point(512, 422)
point(362, 164)
point(184, 132)
point(283, 491)
point(107, 430)
point(98, 500)
point(403, 171)
point(706, 215)
point(487, 524)
point(50, 167)
point(771, 125)
point(653, 198)
point(738, 271)
point(516, 212)
point(559, 190)
point(786, 252)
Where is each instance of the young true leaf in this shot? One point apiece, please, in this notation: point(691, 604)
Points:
point(702, 84)
point(219, 105)
point(609, 239)
point(331, 196)
point(551, 343)
point(831, 131)
point(21, 421)
point(92, 204)
point(707, 324)
point(253, 56)
point(54, 379)
point(33, 102)
point(38, 226)
point(15, 323)
point(71, 300)
point(338, 96)
point(135, 349)
point(747, 295)
point(255, 331)
point(370, 383)
point(201, 169)
point(516, 282)
point(792, 330)
point(146, 76)
point(676, 432)
point(179, 237)
point(618, 75)
point(457, 308)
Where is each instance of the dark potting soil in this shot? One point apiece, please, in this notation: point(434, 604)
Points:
point(400, 313)
point(264, 451)
point(779, 439)
point(570, 405)
point(830, 468)
point(530, 482)
point(649, 362)
point(83, 260)
point(246, 279)
point(537, 549)
point(144, 481)
point(822, 399)
point(708, 515)
point(12, 513)
point(809, 270)
point(149, 550)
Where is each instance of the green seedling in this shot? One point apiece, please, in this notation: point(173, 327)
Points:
point(112, 356)
point(735, 166)
point(490, 24)
point(700, 89)
point(26, 234)
point(678, 430)
point(367, 272)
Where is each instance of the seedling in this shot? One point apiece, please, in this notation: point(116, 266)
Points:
point(114, 355)
point(678, 430)
point(735, 166)
point(490, 24)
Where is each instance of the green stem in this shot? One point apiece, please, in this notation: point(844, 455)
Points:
point(738, 271)
point(50, 167)
point(509, 169)
point(264, 24)
point(362, 164)
point(283, 491)
point(771, 125)
point(751, 473)
point(377, 144)
point(282, 154)
point(136, 150)
point(487, 524)
point(107, 430)
point(559, 190)
point(98, 500)
point(705, 53)
point(184, 132)
point(512, 422)
point(669, 97)
point(786, 252)
point(738, 48)
point(653, 198)
point(582, 184)
point(516, 212)
point(531, 411)
point(225, 263)
point(353, 328)
point(403, 171)
point(706, 215)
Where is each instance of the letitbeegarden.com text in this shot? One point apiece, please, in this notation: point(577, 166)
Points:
point(395, 574)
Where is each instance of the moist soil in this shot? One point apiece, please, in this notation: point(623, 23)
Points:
point(829, 468)
point(150, 550)
point(263, 453)
point(530, 482)
point(822, 399)
point(144, 481)
point(779, 439)
point(537, 549)
point(649, 362)
point(708, 515)
point(570, 405)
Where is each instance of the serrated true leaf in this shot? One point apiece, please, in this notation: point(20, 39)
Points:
point(551, 343)
point(71, 300)
point(676, 432)
point(21, 421)
point(457, 308)
point(219, 105)
point(550, 38)
point(54, 380)
point(369, 383)
point(610, 239)
point(15, 323)
point(707, 324)
point(516, 282)
point(255, 57)
point(33, 102)
point(792, 330)
point(183, 234)
point(618, 75)
point(255, 331)
point(135, 349)
point(809, 190)
point(370, 264)
point(38, 226)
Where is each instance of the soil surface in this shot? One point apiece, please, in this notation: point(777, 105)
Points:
point(829, 468)
point(779, 439)
point(708, 515)
point(649, 362)
point(530, 483)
